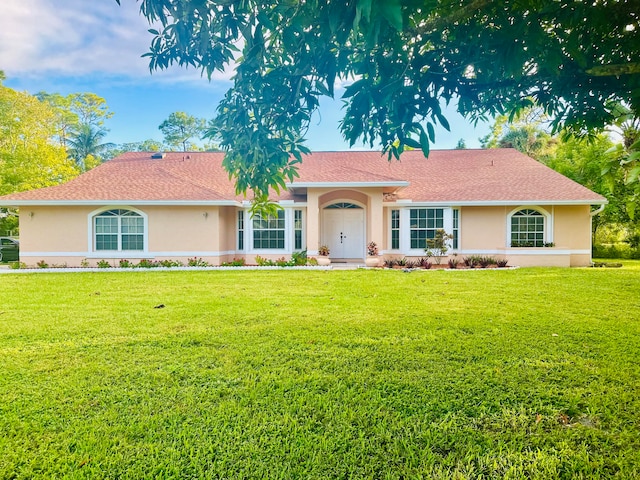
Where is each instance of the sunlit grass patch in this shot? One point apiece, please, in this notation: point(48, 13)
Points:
point(302, 374)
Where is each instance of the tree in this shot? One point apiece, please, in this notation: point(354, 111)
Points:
point(85, 146)
point(461, 145)
point(29, 157)
point(525, 132)
point(76, 110)
point(180, 128)
point(403, 57)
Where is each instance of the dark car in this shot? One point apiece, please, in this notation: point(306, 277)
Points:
point(9, 249)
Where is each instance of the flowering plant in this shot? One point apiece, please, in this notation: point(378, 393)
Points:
point(372, 249)
point(323, 251)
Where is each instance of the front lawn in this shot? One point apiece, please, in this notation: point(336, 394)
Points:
point(528, 373)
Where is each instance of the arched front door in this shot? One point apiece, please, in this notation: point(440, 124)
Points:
point(344, 230)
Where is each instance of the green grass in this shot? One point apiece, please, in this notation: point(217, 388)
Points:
point(529, 373)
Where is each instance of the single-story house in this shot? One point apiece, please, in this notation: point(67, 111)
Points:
point(145, 205)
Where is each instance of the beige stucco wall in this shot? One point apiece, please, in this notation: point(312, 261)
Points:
point(54, 229)
point(227, 233)
point(572, 226)
point(483, 228)
point(61, 235)
point(183, 229)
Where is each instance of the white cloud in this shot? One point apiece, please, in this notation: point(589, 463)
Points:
point(79, 38)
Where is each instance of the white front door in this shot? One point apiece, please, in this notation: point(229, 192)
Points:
point(344, 232)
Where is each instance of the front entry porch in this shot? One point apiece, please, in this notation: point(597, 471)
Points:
point(344, 231)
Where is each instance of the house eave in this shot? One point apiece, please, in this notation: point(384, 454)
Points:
point(492, 203)
point(397, 184)
point(80, 203)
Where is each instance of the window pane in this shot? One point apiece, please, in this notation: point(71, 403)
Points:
point(106, 242)
point(423, 225)
point(269, 233)
point(132, 242)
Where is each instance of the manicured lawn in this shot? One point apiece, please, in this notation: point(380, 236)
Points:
point(529, 373)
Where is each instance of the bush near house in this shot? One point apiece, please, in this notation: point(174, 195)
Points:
point(527, 373)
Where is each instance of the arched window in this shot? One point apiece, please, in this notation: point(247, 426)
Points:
point(528, 228)
point(118, 230)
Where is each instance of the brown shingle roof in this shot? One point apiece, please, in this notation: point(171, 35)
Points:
point(447, 176)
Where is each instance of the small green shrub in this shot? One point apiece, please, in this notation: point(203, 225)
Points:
point(236, 262)
point(103, 264)
point(125, 264)
point(411, 263)
point(471, 261)
point(17, 265)
point(264, 262)
point(197, 262)
point(299, 258)
point(484, 262)
point(84, 263)
point(170, 263)
point(425, 263)
point(283, 262)
point(42, 264)
point(146, 263)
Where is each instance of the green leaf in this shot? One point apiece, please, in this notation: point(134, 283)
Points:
point(432, 133)
point(424, 141)
point(633, 175)
point(391, 10)
point(443, 121)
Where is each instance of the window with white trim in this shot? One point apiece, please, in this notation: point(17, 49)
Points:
point(395, 229)
point(297, 230)
point(118, 230)
point(455, 231)
point(423, 223)
point(240, 230)
point(527, 228)
point(269, 233)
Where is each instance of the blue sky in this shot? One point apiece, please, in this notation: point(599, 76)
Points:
point(68, 46)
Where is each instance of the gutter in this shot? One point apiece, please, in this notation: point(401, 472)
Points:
point(599, 210)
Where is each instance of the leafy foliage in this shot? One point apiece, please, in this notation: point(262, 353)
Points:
point(28, 157)
point(403, 58)
point(180, 128)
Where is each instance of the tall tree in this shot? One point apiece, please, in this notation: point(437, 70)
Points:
point(403, 57)
point(180, 128)
point(76, 110)
point(524, 131)
point(29, 156)
point(86, 147)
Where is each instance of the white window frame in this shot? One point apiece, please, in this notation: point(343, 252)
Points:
point(391, 229)
point(405, 228)
point(548, 224)
point(303, 230)
point(91, 234)
point(241, 214)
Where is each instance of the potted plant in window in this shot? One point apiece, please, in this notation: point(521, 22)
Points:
point(372, 259)
point(323, 256)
